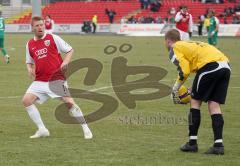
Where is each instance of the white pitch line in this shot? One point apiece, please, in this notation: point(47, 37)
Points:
point(9, 97)
point(101, 88)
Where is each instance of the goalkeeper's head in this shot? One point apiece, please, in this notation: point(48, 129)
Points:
point(171, 37)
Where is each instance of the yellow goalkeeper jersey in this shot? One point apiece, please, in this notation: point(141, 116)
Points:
point(190, 56)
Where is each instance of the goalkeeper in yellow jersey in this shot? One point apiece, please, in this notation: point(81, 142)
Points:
point(210, 85)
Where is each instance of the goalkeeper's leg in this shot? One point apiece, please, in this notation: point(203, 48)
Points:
point(217, 126)
point(194, 119)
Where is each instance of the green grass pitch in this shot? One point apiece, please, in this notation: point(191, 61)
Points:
point(119, 139)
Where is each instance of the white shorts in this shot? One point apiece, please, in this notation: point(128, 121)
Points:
point(46, 90)
point(184, 35)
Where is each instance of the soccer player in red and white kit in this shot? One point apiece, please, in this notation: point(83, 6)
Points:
point(184, 23)
point(49, 24)
point(43, 59)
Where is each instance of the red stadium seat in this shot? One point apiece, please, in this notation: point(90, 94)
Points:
point(77, 12)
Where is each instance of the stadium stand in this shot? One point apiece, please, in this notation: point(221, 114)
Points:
point(195, 8)
point(77, 12)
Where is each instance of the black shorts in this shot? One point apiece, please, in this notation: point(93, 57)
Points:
point(211, 82)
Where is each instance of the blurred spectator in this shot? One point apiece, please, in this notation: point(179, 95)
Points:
point(236, 19)
point(200, 24)
point(172, 11)
point(49, 24)
point(225, 20)
point(206, 23)
point(170, 19)
point(149, 20)
point(94, 23)
point(123, 20)
point(155, 5)
point(232, 1)
point(212, 1)
point(227, 11)
point(141, 20)
point(158, 20)
point(231, 10)
point(132, 20)
point(86, 27)
point(144, 4)
point(237, 8)
point(111, 14)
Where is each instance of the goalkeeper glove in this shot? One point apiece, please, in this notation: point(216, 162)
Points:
point(174, 94)
point(175, 97)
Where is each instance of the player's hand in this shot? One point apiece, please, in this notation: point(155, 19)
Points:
point(64, 67)
point(212, 33)
point(175, 97)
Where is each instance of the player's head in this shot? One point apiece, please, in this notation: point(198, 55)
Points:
point(38, 26)
point(184, 8)
point(48, 17)
point(211, 13)
point(171, 37)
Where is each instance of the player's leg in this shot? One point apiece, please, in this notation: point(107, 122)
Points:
point(217, 126)
point(218, 97)
point(194, 119)
point(202, 85)
point(3, 50)
point(184, 35)
point(215, 39)
point(217, 122)
point(28, 101)
point(210, 40)
point(77, 113)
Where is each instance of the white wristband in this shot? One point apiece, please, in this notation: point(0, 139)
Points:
point(176, 86)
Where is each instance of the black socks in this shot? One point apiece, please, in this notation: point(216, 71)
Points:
point(217, 125)
point(194, 119)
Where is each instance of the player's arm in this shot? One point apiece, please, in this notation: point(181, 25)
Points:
point(67, 58)
point(65, 48)
point(183, 68)
point(178, 17)
point(30, 64)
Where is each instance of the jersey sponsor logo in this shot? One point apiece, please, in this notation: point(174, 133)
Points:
point(41, 53)
point(47, 42)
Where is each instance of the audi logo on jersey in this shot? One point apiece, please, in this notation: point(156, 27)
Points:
point(41, 53)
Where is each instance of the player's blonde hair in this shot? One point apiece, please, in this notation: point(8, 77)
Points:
point(36, 18)
point(172, 35)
